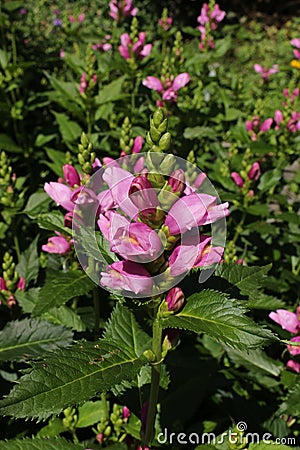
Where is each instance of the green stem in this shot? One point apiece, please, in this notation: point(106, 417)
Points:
point(155, 378)
point(104, 406)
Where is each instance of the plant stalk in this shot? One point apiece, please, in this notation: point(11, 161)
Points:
point(155, 379)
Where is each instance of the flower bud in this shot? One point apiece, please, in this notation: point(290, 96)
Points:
point(238, 180)
point(167, 164)
point(125, 413)
point(254, 172)
point(142, 194)
point(155, 134)
point(158, 117)
point(175, 299)
point(71, 175)
point(165, 141)
point(177, 181)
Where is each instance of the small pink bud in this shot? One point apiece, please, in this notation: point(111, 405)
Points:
point(125, 412)
point(11, 301)
point(266, 125)
point(177, 181)
point(238, 180)
point(254, 172)
point(71, 175)
point(100, 437)
point(175, 299)
point(21, 284)
point(3, 286)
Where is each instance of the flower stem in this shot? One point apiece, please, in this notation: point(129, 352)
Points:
point(155, 378)
point(96, 301)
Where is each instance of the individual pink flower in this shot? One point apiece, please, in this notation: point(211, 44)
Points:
point(128, 48)
point(293, 365)
point(137, 144)
point(3, 286)
point(61, 194)
point(142, 194)
point(71, 175)
point(287, 320)
point(278, 118)
point(122, 8)
point(238, 180)
point(57, 244)
point(254, 172)
point(169, 89)
point(81, 17)
point(62, 53)
point(255, 126)
point(83, 85)
point(193, 211)
point(104, 45)
point(265, 72)
point(125, 413)
point(296, 43)
point(127, 276)
point(293, 349)
point(21, 284)
point(137, 242)
point(176, 181)
point(72, 19)
point(175, 299)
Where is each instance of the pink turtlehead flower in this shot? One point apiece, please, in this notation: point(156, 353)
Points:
point(21, 284)
point(293, 365)
point(254, 172)
point(293, 349)
point(127, 276)
point(142, 194)
point(62, 53)
point(265, 72)
point(61, 194)
point(194, 251)
point(296, 43)
point(3, 286)
point(278, 118)
point(293, 124)
point(122, 8)
point(125, 413)
point(177, 181)
point(209, 20)
point(83, 85)
point(137, 144)
point(104, 45)
point(175, 299)
point(57, 244)
point(238, 180)
point(287, 320)
point(71, 175)
point(194, 210)
point(128, 48)
point(291, 96)
point(169, 89)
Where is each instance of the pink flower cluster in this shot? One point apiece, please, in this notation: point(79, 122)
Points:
point(104, 45)
point(85, 83)
point(265, 72)
point(149, 241)
point(291, 322)
point(79, 19)
point(256, 127)
point(6, 290)
point(209, 20)
point(165, 23)
point(129, 49)
point(296, 43)
point(168, 88)
point(121, 8)
point(253, 174)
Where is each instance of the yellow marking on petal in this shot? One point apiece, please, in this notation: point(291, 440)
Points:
point(295, 63)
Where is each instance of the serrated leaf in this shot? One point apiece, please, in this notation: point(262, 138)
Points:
point(220, 317)
point(69, 129)
point(247, 280)
point(292, 402)
point(28, 266)
point(40, 444)
point(61, 287)
point(31, 337)
point(90, 413)
point(111, 92)
point(37, 203)
point(264, 301)
point(53, 221)
point(70, 376)
point(123, 326)
point(256, 360)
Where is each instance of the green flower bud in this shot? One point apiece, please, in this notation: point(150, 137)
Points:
point(163, 126)
point(165, 141)
point(155, 134)
point(168, 163)
point(158, 117)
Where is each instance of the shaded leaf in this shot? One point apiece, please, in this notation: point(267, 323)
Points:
point(31, 337)
point(61, 287)
point(40, 444)
point(256, 360)
point(28, 266)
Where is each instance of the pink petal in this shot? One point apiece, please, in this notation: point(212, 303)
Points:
point(286, 319)
point(295, 42)
point(61, 194)
point(180, 81)
point(266, 125)
point(153, 83)
point(258, 68)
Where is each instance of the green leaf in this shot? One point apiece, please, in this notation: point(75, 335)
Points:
point(43, 139)
point(70, 376)
point(292, 402)
point(6, 143)
point(53, 221)
point(40, 444)
point(63, 315)
point(90, 413)
point(4, 58)
point(31, 337)
point(37, 203)
point(245, 280)
point(123, 326)
point(269, 179)
point(69, 129)
point(28, 266)
point(61, 287)
point(264, 301)
point(266, 446)
point(220, 317)
point(111, 92)
point(256, 360)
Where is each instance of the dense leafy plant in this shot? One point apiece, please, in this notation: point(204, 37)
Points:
point(132, 149)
